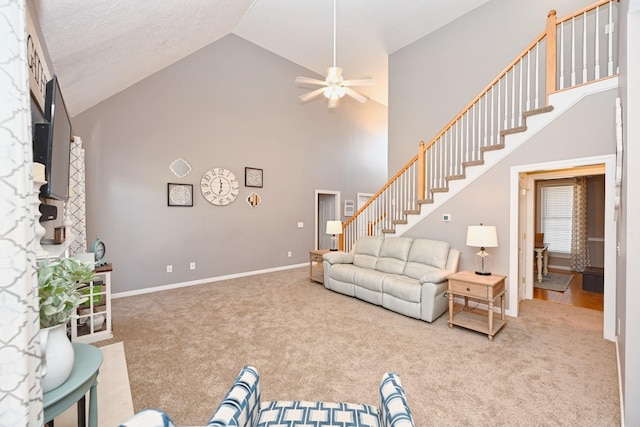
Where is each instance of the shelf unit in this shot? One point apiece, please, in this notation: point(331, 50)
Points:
point(93, 322)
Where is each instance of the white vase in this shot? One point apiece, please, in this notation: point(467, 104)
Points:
point(57, 356)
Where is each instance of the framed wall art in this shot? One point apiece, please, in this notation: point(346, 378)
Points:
point(252, 177)
point(179, 194)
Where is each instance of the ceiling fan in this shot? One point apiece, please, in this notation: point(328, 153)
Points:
point(334, 85)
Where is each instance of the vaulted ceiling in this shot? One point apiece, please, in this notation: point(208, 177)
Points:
point(100, 47)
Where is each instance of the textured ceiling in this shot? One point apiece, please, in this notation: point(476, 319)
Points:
point(101, 47)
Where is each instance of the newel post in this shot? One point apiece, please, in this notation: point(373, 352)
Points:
point(421, 170)
point(551, 54)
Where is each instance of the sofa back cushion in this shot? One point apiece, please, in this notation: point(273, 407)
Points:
point(393, 254)
point(241, 405)
point(424, 255)
point(366, 251)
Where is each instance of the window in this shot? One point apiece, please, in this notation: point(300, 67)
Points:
point(557, 214)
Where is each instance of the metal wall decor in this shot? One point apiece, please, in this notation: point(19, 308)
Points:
point(179, 194)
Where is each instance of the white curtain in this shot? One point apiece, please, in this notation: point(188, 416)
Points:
point(20, 390)
point(579, 244)
point(76, 202)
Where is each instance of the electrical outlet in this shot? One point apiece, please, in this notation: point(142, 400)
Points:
point(446, 217)
point(192, 266)
point(289, 254)
point(169, 268)
point(300, 224)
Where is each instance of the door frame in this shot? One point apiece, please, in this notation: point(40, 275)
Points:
point(336, 197)
point(517, 251)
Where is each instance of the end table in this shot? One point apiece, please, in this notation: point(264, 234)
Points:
point(468, 284)
point(83, 378)
point(316, 273)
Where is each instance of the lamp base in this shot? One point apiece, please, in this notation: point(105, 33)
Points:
point(483, 273)
point(332, 250)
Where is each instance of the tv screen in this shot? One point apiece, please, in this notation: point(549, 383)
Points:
point(52, 144)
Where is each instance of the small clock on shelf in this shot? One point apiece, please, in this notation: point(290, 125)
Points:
point(99, 250)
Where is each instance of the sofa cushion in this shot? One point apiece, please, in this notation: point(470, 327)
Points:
point(393, 255)
point(369, 279)
point(366, 250)
point(344, 272)
point(241, 404)
point(402, 287)
point(425, 252)
point(303, 413)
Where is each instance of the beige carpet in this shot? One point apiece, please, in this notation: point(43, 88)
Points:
point(114, 395)
point(184, 347)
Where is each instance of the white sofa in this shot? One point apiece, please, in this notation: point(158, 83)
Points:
point(405, 275)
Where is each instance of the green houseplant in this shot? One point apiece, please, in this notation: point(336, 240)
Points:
point(59, 283)
point(58, 289)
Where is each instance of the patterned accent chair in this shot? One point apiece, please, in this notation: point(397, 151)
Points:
point(242, 407)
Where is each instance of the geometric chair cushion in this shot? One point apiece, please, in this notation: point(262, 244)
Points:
point(241, 405)
point(394, 409)
point(317, 414)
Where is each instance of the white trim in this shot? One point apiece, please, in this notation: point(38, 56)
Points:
point(609, 162)
point(204, 281)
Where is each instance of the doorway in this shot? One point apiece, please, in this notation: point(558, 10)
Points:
point(522, 216)
point(327, 209)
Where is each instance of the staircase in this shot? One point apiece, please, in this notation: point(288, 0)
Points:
point(530, 93)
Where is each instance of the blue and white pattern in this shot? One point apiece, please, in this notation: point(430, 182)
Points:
point(241, 404)
point(149, 418)
point(317, 414)
point(394, 409)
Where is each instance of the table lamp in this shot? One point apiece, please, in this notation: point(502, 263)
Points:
point(334, 228)
point(482, 236)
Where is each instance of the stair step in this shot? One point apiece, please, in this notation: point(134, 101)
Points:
point(440, 190)
point(473, 163)
point(399, 221)
point(510, 131)
point(492, 147)
point(412, 212)
point(425, 201)
point(547, 109)
point(454, 177)
point(388, 230)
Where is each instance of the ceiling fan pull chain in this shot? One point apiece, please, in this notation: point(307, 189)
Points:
point(334, 33)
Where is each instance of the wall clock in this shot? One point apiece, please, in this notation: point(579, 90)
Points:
point(219, 186)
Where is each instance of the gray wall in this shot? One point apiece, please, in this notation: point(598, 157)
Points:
point(425, 88)
point(232, 104)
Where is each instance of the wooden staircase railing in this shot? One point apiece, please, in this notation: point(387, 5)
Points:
point(500, 109)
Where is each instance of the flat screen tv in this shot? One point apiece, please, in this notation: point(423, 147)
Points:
point(52, 144)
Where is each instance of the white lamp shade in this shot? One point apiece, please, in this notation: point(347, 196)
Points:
point(482, 236)
point(334, 227)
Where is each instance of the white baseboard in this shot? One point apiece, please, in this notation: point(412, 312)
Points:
point(203, 281)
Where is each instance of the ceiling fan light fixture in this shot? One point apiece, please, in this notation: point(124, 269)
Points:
point(336, 86)
point(334, 91)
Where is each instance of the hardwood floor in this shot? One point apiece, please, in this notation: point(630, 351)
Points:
point(574, 295)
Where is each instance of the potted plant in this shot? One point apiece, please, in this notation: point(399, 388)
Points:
point(59, 283)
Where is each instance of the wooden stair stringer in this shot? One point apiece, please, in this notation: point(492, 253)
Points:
point(533, 121)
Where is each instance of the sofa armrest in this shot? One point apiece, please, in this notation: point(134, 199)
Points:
point(394, 409)
point(435, 276)
point(149, 418)
point(338, 257)
point(241, 405)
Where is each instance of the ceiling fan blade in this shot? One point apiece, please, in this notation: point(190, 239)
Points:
point(367, 81)
point(355, 95)
point(310, 95)
point(310, 81)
